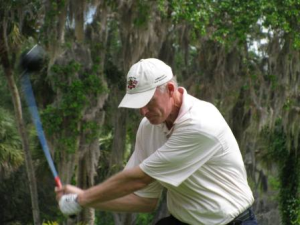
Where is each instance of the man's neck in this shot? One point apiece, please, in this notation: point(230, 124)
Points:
point(177, 102)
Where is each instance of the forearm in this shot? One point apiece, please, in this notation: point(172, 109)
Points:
point(119, 185)
point(129, 203)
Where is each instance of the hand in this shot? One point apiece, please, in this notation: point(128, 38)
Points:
point(67, 196)
point(68, 205)
point(67, 189)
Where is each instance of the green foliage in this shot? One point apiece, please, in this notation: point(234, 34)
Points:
point(233, 19)
point(107, 218)
point(104, 218)
point(50, 223)
point(289, 103)
point(57, 223)
point(76, 94)
point(15, 199)
point(144, 218)
point(283, 15)
point(5, 100)
point(11, 154)
point(289, 191)
point(143, 13)
point(197, 13)
point(276, 144)
point(229, 20)
point(274, 182)
point(224, 21)
point(21, 17)
point(288, 162)
point(105, 143)
point(15, 207)
point(51, 18)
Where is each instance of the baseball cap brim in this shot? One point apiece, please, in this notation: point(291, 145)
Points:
point(137, 100)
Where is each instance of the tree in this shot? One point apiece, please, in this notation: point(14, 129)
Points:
point(287, 159)
point(243, 56)
point(9, 42)
point(11, 155)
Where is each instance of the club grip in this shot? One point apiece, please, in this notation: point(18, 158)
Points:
point(58, 182)
point(59, 185)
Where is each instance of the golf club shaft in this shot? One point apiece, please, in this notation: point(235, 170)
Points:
point(29, 97)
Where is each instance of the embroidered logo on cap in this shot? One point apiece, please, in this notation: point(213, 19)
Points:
point(131, 83)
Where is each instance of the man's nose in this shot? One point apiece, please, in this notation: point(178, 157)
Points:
point(143, 111)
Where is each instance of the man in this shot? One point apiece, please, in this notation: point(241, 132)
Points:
point(183, 144)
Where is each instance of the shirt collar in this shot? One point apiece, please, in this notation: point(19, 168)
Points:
point(185, 107)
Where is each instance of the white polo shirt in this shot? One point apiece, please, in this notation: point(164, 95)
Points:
point(198, 161)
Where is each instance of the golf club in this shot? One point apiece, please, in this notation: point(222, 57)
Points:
point(32, 62)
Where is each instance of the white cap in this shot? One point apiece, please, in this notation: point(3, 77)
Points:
point(142, 80)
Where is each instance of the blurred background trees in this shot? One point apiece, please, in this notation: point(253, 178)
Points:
point(243, 56)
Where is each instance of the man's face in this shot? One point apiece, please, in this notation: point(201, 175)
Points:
point(159, 108)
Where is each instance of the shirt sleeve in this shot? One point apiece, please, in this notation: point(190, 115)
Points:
point(186, 151)
point(154, 189)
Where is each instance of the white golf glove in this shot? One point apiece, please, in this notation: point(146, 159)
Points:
point(68, 204)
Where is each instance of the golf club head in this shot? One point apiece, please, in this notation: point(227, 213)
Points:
point(33, 60)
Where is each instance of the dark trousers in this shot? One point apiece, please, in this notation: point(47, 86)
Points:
point(251, 220)
point(170, 220)
point(245, 218)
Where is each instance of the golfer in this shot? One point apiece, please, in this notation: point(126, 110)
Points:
point(183, 144)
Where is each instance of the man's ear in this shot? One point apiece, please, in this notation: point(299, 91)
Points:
point(171, 88)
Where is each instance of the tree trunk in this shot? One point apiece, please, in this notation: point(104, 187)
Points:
point(88, 162)
point(137, 42)
point(79, 20)
point(118, 145)
point(62, 17)
point(22, 129)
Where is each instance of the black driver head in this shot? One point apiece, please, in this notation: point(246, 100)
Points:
point(33, 60)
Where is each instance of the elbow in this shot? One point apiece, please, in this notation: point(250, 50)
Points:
point(146, 180)
point(143, 182)
point(138, 186)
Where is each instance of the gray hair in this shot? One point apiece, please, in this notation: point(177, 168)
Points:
point(163, 88)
